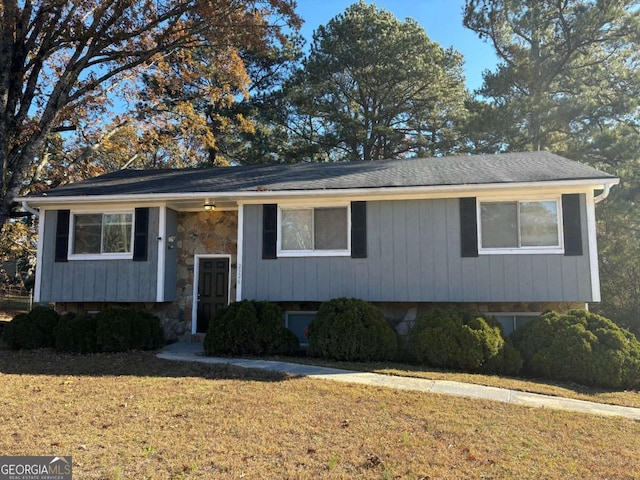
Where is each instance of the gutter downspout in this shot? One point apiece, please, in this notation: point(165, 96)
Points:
point(605, 192)
point(30, 209)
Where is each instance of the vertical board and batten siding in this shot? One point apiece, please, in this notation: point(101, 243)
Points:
point(414, 256)
point(98, 280)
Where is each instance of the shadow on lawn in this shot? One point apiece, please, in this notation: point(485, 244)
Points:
point(138, 364)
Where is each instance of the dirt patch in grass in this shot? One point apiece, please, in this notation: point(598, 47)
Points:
point(136, 416)
point(623, 398)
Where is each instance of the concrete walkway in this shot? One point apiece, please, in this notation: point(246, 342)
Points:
point(193, 352)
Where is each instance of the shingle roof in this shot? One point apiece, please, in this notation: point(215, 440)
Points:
point(422, 172)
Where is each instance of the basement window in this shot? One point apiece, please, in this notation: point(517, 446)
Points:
point(513, 321)
point(298, 322)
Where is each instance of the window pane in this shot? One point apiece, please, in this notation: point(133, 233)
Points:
point(539, 224)
point(330, 228)
point(521, 321)
point(507, 323)
point(87, 230)
point(116, 233)
point(297, 226)
point(297, 322)
point(499, 222)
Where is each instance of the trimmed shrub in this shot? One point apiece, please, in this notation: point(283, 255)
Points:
point(453, 338)
point(146, 331)
point(249, 328)
point(18, 332)
point(351, 329)
point(113, 330)
point(273, 337)
point(286, 343)
point(76, 333)
point(511, 360)
point(582, 347)
point(122, 329)
point(215, 341)
point(32, 330)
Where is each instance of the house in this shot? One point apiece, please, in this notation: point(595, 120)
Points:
point(510, 234)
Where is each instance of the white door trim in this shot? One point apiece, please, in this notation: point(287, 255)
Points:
point(196, 275)
point(162, 252)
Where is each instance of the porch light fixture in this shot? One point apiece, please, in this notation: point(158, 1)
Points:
point(209, 207)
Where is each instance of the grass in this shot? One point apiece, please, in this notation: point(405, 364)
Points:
point(136, 416)
point(569, 390)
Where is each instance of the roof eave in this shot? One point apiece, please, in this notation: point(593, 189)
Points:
point(590, 183)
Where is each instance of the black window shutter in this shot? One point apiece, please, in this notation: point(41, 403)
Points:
point(269, 230)
point(62, 236)
point(140, 235)
point(468, 227)
point(571, 224)
point(358, 229)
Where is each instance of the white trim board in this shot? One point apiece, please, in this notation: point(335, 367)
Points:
point(593, 247)
point(40, 247)
point(240, 251)
point(162, 254)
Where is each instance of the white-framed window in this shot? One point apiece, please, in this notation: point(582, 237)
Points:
point(513, 321)
point(520, 226)
point(314, 230)
point(101, 235)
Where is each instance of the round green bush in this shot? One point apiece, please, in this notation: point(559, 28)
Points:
point(215, 341)
point(113, 330)
point(18, 333)
point(272, 336)
point(453, 338)
point(249, 328)
point(76, 333)
point(45, 320)
point(146, 331)
point(351, 329)
point(581, 347)
point(123, 329)
point(32, 330)
point(286, 343)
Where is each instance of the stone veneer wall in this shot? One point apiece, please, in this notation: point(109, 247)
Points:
point(202, 233)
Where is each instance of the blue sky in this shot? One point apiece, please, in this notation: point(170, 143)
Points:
point(441, 19)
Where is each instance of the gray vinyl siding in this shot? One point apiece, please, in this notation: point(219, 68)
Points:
point(413, 255)
point(98, 280)
point(171, 256)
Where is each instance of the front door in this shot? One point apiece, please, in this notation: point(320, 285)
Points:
point(213, 289)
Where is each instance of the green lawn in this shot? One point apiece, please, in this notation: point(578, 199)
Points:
point(134, 416)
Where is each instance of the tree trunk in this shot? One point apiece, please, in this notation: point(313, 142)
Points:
point(14, 176)
point(4, 174)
